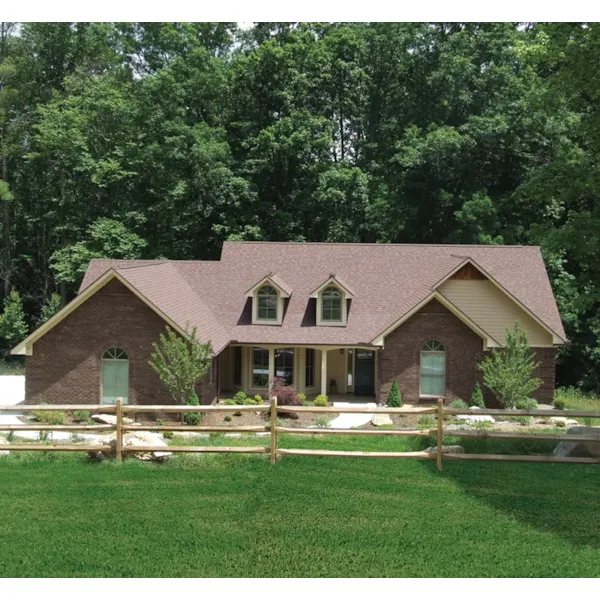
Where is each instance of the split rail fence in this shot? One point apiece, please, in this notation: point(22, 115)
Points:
point(275, 429)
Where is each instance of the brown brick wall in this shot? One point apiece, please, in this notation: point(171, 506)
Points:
point(400, 358)
point(66, 363)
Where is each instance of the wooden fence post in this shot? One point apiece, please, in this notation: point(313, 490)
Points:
point(119, 426)
point(273, 430)
point(440, 425)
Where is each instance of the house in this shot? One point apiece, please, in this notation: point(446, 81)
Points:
point(328, 318)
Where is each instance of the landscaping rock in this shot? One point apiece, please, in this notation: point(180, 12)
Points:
point(136, 438)
point(233, 435)
point(379, 420)
point(580, 449)
point(564, 420)
point(111, 419)
point(475, 418)
point(447, 450)
point(4, 442)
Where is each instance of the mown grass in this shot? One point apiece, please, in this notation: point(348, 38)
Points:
point(239, 516)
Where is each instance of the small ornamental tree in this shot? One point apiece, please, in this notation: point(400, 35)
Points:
point(394, 398)
point(13, 327)
point(50, 308)
point(477, 396)
point(181, 362)
point(508, 372)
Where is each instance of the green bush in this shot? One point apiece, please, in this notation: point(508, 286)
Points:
point(50, 417)
point(230, 402)
point(394, 398)
point(168, 435)
point(258, 399)
point(526, 404)
point(321, 421)
point(240, 398)
point(237, 413)
point(458, 403)
point(477, 396)
point(160, 421)
point(482, 425)
point(228, 418)
point(321, 400)
point(560, 403)
point(560, 423)
point(426, 420)
point(302, 398)
point(194, 418)
point(81, 416)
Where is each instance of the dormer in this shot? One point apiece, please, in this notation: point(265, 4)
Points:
point(332, 302)
point(267, 300)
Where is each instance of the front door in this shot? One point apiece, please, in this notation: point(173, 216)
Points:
point(364, 373)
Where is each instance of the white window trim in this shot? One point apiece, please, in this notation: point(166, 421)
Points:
point(256, 320)
point(344, 302)
point(421, 352)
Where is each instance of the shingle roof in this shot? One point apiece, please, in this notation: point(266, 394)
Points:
point(387, 280)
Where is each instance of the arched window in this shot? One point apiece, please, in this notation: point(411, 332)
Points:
point(433, 369)
point(331, 304)
point(267, 299)
point(115, 376)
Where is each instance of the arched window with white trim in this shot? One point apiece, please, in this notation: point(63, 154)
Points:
point(115, 375)
point(267, 303)
point(433, 370)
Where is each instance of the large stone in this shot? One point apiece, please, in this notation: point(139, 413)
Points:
point(379, 420)
point(475, 418)
point(111, 419)
point(136, 438)
point(565, 420)
point(446, 450)
point(580, 449)
point(3, 442)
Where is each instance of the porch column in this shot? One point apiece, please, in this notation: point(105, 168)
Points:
point(324, 372)
point(271, 369)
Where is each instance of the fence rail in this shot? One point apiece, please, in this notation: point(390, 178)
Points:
point(275, 429)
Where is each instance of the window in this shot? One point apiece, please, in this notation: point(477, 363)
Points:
point(331, 305)
point(433, 369)
point(310, 367)
point(284, 364)
point(237, 365)
point(349, 367)
point(260, 367)
point(267, 300)
point(115, 376)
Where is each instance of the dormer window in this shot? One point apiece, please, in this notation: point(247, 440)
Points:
point(332, 302)
point(331, 305)
point(266, 303)
point(268, 300)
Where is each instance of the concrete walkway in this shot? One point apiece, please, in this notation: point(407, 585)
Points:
point(348, 421)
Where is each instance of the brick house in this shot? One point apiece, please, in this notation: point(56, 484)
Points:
point(328, 318)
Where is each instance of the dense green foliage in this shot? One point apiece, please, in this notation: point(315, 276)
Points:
point(164, 139)
point(394, 397)
point(508, 372)
point(181, 362)
point(477, 396)
point(399, 519)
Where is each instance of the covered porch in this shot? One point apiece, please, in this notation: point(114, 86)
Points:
point(338, 372)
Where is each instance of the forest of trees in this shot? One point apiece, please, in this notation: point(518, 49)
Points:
point(148, 140)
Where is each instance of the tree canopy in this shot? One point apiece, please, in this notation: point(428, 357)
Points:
point(151, 140)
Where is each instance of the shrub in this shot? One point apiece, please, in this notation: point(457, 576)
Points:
point(508, 372)
point(258, 399)
point(394, 398)
point(228, 418)
point(286, 394)
point(168, 435)
point(458, 403)
point(50, 417)
point(160, 421)
point(302, 398)
point(81, 416)
point(321, 421)
point(523, 420)
point(237, 413)
point(230, 402)
point(477, 396)
point(240, 398)
point(560, 423)
point(193, 418)
point(321, 400)
point(482, 425)
point(426, 420)
point(526, 404)
point(560, 403)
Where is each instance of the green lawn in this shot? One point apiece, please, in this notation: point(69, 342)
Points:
point(239, 516)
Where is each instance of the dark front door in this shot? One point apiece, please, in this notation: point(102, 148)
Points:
point(364, 373)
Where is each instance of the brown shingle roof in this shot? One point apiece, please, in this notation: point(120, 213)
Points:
point(387, 280)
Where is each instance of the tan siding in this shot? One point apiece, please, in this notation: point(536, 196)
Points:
point(493, 310)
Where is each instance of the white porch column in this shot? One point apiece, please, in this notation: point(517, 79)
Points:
point(271, 369)
point(324, 372)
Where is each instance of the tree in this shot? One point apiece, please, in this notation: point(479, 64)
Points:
point(508, 372)
point(181, 362)
point(50, 308)
point(477, 396)
point(394, 396)
point(13, 327)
